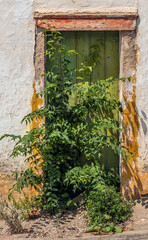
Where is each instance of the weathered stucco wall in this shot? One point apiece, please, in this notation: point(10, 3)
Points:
point(142, 93)
point(83, 4)
point(16, 77)
point(17, 73)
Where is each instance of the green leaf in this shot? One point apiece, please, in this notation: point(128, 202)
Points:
point(92, 229)
point(108, 229)
point(17, 190)
point(106, 216)
point(123, 153)
point(65, 195)
point(10, 197)
point(68, 202)
point(118, 229)
point(128, 157)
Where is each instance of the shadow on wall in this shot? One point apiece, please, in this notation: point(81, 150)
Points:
point(141, 123)
point(132, 184)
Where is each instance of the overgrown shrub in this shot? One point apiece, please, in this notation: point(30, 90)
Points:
point(71, 131)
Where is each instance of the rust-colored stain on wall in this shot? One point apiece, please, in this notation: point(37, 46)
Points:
point(131, 182)
point(36, 102)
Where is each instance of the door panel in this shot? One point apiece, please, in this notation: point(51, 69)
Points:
point(107, 65)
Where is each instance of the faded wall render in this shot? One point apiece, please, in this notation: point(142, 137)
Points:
point(16, 76)
point(17, 91)
point(141, 93)
point(83, 4)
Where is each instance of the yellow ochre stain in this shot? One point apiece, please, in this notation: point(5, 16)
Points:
point(131, 182)
point(36, 102)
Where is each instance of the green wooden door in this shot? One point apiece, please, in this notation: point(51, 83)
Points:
point(107, 44)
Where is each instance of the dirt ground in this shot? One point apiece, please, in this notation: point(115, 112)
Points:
point(140, 215)
point(71, 225)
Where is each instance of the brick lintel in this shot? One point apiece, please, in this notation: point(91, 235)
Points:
point(106, 24)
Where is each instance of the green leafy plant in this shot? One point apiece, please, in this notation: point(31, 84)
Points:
point(105, 205)
point(86, 177)
point(77, 124)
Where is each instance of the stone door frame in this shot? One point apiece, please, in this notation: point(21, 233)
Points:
point(123, 21)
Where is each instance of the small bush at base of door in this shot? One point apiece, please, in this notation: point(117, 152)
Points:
point(106, 207)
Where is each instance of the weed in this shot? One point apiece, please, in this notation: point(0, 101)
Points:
point(11, 217)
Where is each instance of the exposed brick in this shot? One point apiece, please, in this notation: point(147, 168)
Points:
point(109, 24)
